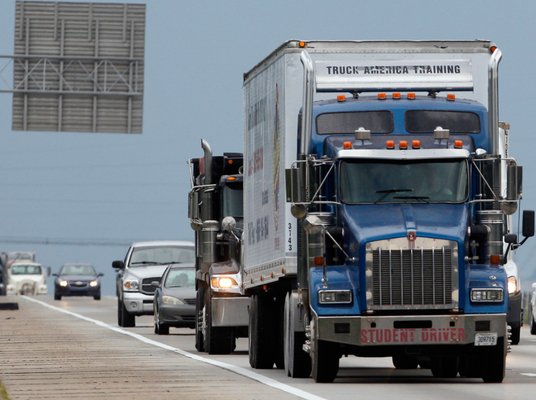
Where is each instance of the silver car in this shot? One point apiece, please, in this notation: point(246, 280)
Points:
point(144, 263)
point(174, 299)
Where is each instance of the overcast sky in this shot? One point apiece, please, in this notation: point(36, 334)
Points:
point(90, 188)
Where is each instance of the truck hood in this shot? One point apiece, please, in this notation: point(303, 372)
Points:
point(384, 221)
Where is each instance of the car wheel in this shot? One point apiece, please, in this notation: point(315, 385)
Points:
point(97, 297)
point(159, 328)
point(57, 296)
point(532, 323)
point(124, 318)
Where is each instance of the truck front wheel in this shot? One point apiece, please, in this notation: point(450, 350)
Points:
point(325, 358)
point(494, 362)
point(297, 361)
point(219, 340)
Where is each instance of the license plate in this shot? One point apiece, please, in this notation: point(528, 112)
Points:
point(486, 339)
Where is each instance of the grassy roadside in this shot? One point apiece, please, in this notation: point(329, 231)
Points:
point(3, 392)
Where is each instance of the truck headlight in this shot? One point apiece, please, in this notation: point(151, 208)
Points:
point(334, 296)
point(131, 285)
point(487, 295)
point(223, 282)
point(170, 300)
point(512, 285)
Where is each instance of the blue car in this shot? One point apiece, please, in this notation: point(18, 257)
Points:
point(77, 280)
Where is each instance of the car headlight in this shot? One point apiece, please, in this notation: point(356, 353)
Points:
point(131, 285)
point(512, 285)
point(170, 300)
point(487, 295)
point(63, 283)
point(334, 296)
point(94, 283)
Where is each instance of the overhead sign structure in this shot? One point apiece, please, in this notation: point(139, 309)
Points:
point(78, 67)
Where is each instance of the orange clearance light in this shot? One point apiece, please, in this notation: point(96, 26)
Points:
point(492, 49)
point(390, 144)
point(495, 259)
point(397, 96)
point(319, 261)
point(412, 96)
point(382, 96)
point(416, 144)
point(341, 98)
point(231, 178)
point(403, 145)
point(347, 145)
point(230, 161)
point(301, 44)
point(451, 97)
point(458, 144)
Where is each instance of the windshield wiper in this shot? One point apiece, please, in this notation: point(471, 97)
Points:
point(147, 262)
point(387, 192)
point(425, 199)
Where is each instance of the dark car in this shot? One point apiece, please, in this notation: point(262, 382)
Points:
point(77, 280)
point(174, 299)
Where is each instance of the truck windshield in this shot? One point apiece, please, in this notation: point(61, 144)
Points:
point(233, 200)
point(25, 270)
point(403, 181)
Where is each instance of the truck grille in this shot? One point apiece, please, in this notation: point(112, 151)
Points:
point(412, 275)
point(147, 287)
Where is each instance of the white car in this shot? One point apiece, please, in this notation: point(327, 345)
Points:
point(27, 277)
point(533, 309)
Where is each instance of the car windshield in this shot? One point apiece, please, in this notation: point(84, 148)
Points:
point(77, 270)
point(180, 277)
point(403, 181)
point(25, 270)
point(161, 255)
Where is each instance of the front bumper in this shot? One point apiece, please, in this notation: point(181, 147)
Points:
point(138, 303)
point(410, 330)
point(180, 315)
point(230, 311)
point(77, 291)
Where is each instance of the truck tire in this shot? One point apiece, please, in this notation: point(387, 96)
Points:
point(297, 361)
point(216, 340)
point(124, 318)
point(515, 335)
point(402, 361)
point(444, 366)
point(325, 358)
point(494, 362)
point(261, 338)
point(199, 318)
point(532, 323)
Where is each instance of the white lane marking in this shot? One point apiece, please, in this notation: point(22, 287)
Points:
point(238, 370)
point(528, 374)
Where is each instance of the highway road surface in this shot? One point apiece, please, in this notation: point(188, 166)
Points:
point(73, 349)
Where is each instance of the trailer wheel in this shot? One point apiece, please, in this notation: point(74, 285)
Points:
point(325, 358)
point(216, 340)
point(261, 336)
point(297, 361)
point(494, 362)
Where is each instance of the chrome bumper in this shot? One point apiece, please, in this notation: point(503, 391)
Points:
point(230, 311)
point(410, 330)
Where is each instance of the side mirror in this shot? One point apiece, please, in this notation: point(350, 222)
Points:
point(510, 238)
point(534, 286)
point(100, 274)
point(528, 223)
point(118, 264)
point(49, 271)
point(55, 274)
point(228, 224)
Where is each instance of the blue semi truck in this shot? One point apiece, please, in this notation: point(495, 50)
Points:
point(378, 200)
